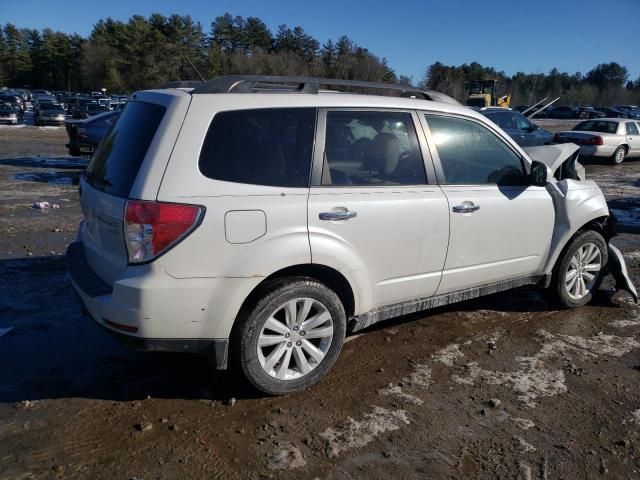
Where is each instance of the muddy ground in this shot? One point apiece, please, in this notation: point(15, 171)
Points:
point(502, 387)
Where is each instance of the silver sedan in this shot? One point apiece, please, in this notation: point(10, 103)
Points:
point(614, 138)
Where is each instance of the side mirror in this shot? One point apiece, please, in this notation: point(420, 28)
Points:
point(538, 174)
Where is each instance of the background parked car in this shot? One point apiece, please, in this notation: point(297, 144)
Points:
point(613, 112)
point(519, 127)
point(590, 112)
point(8, 113)
point(608, 137)
point(564, 112)
point(50, 114)
point(85, 135)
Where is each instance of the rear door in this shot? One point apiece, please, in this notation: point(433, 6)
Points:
point(371, 207)
point(500, 227)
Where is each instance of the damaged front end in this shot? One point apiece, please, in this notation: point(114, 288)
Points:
point(578, 202)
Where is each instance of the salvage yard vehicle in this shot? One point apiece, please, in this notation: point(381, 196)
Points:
point(50, 114)
point(257, 219)
point(8, 113)
point(518, 127)
point(613, 138)
point(85, 135)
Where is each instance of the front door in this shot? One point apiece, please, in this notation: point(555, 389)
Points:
point(501, 227)
point(371, 207)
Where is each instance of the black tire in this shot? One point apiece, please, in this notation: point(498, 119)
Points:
point(618, 156)
point(252, 319)
point(558, 290)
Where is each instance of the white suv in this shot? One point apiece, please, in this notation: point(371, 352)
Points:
point(261, 218)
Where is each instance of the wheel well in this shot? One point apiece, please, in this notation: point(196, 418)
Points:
point(327, 275)
point(602, 225)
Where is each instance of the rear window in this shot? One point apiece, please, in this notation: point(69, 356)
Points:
point(116, 162)
point(261, 147)
point(596, 126)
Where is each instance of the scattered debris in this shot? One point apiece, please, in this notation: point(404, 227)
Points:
point(24, 404)
point(287, 458)
point(44, 205)
point(494, 403)
point(636, 416)
point(356, 434)
point(143, 426)
point(231, 402)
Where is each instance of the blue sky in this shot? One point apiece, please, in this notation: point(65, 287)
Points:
point(531, 36)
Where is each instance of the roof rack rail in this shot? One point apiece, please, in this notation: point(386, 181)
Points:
point(294, 84)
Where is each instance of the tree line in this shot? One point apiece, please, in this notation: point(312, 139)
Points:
point(148, 51)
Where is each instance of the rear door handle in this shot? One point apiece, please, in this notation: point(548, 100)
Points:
point(466, 207)
point(338, 215)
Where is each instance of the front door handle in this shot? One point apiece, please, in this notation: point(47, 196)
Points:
point(338, 215)
point(466, 207)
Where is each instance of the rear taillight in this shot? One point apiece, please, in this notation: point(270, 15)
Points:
point(596, 140)
point(151, 228)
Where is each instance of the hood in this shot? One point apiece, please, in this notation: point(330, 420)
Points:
point(563, 155)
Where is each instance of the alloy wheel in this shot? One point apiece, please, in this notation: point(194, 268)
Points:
point(295, 338)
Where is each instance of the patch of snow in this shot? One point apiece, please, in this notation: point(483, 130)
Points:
point(357, 434)
point(533, 380)
point(420, 377)
point(287, 458)
point(523, 445)
point(448, 355)
point(625, 323)
point(522, 423)
point(396, 391)
point(636, 416)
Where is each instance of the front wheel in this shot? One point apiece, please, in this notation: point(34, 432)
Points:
point(579, 270)
point(290, 338)
point(618, 156)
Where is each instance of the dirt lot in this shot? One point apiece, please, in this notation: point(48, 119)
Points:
point(502, 387)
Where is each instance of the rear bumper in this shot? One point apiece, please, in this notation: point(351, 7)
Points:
point(148, 319)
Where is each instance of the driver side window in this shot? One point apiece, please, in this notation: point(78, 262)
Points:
point(470, 154)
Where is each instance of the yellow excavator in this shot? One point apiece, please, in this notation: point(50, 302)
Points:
point(488, 93)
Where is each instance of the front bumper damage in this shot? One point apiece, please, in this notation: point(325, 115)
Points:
point(616, 265)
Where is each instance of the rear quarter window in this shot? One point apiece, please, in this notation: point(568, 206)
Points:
point(271, 147)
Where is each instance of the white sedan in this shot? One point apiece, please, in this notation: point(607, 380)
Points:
point(614, 138)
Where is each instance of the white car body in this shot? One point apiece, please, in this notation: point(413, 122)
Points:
point(404, 251)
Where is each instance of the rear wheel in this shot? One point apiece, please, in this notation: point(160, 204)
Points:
point(618, 156)
point(579, 270)
point(290, 337)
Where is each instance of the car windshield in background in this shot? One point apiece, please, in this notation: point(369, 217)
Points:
point(596, 126)
point(115, 163)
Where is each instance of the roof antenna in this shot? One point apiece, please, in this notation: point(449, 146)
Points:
point(196, 70)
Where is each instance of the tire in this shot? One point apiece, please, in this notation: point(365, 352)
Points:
point(283, 342)
point(579, 259)
point(618, 156)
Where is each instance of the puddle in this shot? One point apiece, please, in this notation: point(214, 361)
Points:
point(46, 162)
point(55, 178)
